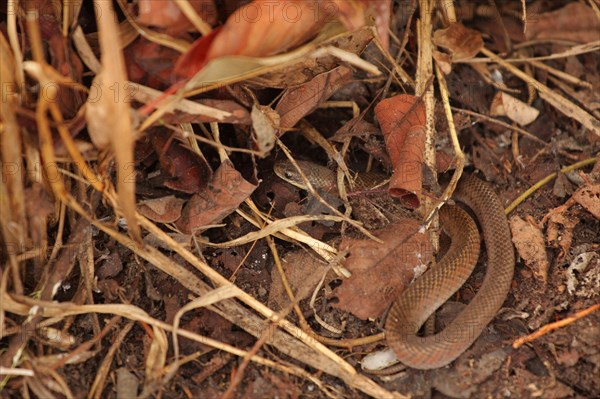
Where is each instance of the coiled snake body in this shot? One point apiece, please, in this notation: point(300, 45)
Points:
point(412, 308)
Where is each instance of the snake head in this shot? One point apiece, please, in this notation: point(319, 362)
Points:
point(320, 177)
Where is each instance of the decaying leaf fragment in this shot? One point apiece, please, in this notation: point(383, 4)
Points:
point(516, 110)
point(589, 198)
point(186, 170)
point(560, 231)
point(297, 102)
point(462, 43)
point(402, 121)
point(163, 210)
point(262, 28)
point(380, 272)
point(574, 22)
point(302, 272)
point(226, 191)
point(265, 123)
point(168, 16)
point(529, 241)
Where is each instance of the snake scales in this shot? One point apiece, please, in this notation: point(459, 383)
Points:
point(412, 308)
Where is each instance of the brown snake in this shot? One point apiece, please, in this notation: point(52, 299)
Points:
point(412, 308)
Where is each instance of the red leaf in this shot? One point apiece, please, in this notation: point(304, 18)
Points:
point(196, 57)
point(380, 272)
point(187, 170)
point(168, 15)
point(266, 27)
point(223, 195)
point(402, 121)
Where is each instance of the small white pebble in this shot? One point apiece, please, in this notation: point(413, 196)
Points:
point(379, 360)
point(497, 76)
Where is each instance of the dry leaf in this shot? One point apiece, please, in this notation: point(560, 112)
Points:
point(589, 198)
point(444, 61)
point(307, 67)
point(574, 22)
point(463, 43)
point(303, 273)
point(562, 186)
point(356, 127)
point(380, 11)
point(529, 241)
point(402, 121)
point(579, 264)
point(297, 102)
point(560, 231)
point(127, 384)
point(288, 69)
point(259, 28)
point(149, 63)
point(112, 266)
point(223, 195)
point(186, 170)
point(516, 110)
point(355, 13)
point(264, 27)
point(265, 123)
point(163, 210)
point(380, 272)
point(444, 161)
point(168, 15)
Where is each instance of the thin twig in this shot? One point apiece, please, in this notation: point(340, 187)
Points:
point(546, 180)
point(554, 326)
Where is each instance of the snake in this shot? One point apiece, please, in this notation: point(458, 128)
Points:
point(426, 294)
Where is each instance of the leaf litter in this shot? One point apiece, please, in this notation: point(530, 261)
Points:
point(137, 147)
